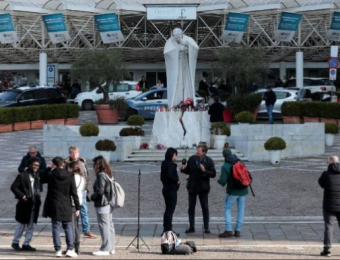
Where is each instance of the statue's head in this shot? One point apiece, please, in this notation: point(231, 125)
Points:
point(177, 33)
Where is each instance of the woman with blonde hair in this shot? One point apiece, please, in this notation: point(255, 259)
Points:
point(101, 197)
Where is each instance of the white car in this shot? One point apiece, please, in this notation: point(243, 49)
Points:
point(313, 84)
point(126, 89)
point(282, 95)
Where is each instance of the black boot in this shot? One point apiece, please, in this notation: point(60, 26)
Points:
point(76, 247)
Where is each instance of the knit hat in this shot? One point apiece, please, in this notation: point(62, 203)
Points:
point(226, 152)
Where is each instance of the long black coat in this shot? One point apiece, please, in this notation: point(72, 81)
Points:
point(169, 175)
point(330, 182)
point(199, 181)
point(22, 187)
point(61, 187)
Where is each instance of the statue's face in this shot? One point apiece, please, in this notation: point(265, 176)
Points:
point(178, 35)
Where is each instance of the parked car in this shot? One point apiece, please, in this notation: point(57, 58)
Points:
point(27, 96)
point(313, 84)
point(282, 95)
point(146, 104)
point(126, 89)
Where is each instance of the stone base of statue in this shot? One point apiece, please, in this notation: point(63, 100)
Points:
point(168, 129)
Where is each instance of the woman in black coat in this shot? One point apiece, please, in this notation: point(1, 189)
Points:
point(170, 180)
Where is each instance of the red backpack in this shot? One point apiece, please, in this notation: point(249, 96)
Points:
point(241, 176)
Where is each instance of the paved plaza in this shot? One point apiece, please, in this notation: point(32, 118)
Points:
point(282, 221)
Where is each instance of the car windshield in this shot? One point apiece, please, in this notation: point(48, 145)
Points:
point(9, 95)
point(141, 94)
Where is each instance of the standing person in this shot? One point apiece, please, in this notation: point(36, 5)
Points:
point(223, 86)
point(101, 197)
point(143, 83)
point(204, 86)
point(216, 111)
point(74, 153)
point(159, 84)
point(233, 195)
point(330, 182)
point(26, 189)
point(80, 185)
point(170, 180)
point(76, 85)
point(270, 98)
point(200, 169)
point(61, 187)
point(32, 152)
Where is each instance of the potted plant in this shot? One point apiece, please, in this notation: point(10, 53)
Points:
point(245, 117)
point(89, 129)
point(330, 131)
point(6, 119)
point(21, 121)
point(132, 134)
point(54, 114)
point(275, 145)
point(135, 120)
point(72, 114)
point(220, 131)
point(102, 69)
point(291, 112)
point(105, 148)
point(110, 112)
point(329, 112)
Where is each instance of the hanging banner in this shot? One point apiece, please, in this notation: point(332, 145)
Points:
point(235, 27)
point(334, 32)
point(7, 31)
point(56, 27)
point(289, 24)
point(108, 27)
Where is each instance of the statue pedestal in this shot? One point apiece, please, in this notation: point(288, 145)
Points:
point(167, 128)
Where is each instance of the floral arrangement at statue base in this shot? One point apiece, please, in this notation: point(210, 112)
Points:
point(226, 145)
point(144, 146)
point(160, 147)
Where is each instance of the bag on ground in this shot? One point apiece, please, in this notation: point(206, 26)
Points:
point(241, 176)
point(168, 243)
point(183, 249)
point(192, 245)
point(117, 195)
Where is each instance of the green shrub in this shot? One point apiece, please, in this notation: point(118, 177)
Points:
point(53, 112)
point(275, 143)
point(244, 102)
point(20, 114)
point(331, 128)
point(291, 108)
point(311, 109)
point(135, 120)
point(6, 115)
point(72, 111)
point(245, 117)
point(105, 145)
point(89, 129)
point(330, 110)
point(131, 131)
point(220, 129)
point(34, 113)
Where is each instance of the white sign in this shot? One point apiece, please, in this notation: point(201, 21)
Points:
point(332, 74)
point(334, 51)
point(172, 13)
point(50, 75)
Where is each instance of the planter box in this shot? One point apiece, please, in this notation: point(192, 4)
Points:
point(327, 120)
point(71, 121)
point(311, 119)
point(22, 126)
point(292, 120)
point(106, 115)
point(55, 122)
point(37, 124)
point(6, 128)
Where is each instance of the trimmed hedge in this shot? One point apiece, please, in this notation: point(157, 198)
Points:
point(9, 115)
point(245, 117)
point(131, 131)
point(105, 145)
point(89, 129)
point(331, 128)
point(275, 143)
point(291, 109)
point(135, 120)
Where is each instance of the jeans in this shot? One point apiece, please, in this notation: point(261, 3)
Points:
point(329, 221)
point(20, 228)
point(270, 113)
point(203, 197)
point(67, 226)
point(83, 215)
point(170, 199)
point(229, 202)
point(107, 232)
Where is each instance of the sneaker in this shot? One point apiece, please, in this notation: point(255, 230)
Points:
point(112, 252)
point(237, 234)
point(16, 246)
point(226, 234)
point(101, 253)
point(89, 234)
point(28, 248)
point(325, 253)
point(207, 231)
point(58, 253)
point(190, 230)
point(71, 253)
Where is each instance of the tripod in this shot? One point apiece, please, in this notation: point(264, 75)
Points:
point(137, 237)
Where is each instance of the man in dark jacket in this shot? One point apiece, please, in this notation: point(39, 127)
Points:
point(216, 111)
point(203, 86)
point(32, 152)
point(58, 205)
point(26, 189)
point(200, 169)
point(270, 98)
point(330, 182)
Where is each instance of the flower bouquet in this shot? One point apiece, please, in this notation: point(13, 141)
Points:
point(160, 147)
point(144, 146)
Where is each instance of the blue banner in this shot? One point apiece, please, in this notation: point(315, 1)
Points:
point(54, 23)
point(289, 21)
point(334, 31)
point(107, 22)
point(6, 23)
point(336, 21)
point(237, 22)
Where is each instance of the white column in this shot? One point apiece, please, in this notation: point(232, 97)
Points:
point(283, 70)
point(299, 69)
point(43, 69)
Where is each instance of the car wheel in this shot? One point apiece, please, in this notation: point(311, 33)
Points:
point(87, 105)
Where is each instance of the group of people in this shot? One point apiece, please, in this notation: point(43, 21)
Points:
point(68, 187)
point(143, 83)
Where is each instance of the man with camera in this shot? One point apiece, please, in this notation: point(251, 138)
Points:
point(200, 169)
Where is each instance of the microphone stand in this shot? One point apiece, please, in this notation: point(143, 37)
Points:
point(138, 237)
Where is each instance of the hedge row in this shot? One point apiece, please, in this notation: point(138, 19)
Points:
point(311, 109)
point(9, 115)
